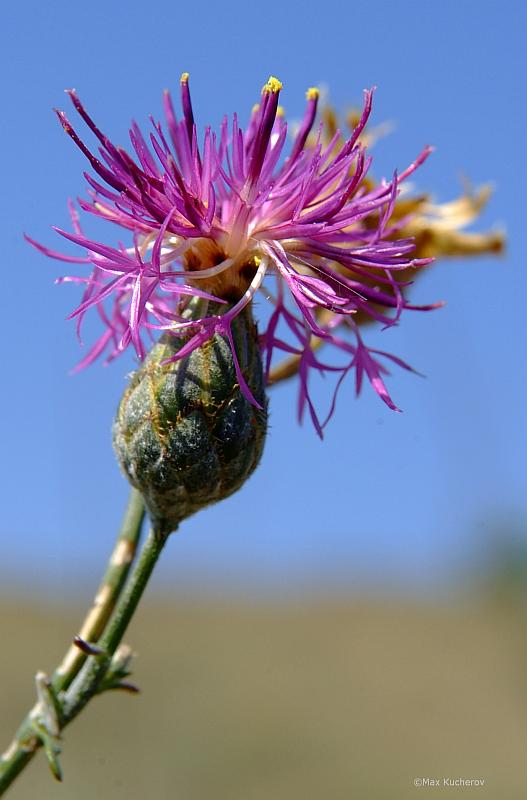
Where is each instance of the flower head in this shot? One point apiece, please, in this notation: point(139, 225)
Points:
point(211, 223)
point(437, 229)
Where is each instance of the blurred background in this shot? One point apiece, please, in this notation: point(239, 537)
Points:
point(355, 617)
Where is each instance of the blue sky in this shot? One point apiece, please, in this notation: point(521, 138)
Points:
point(408, 499)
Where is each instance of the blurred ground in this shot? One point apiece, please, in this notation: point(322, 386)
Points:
point(333, 699)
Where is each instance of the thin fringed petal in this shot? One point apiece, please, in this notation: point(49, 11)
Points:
point(209, 218)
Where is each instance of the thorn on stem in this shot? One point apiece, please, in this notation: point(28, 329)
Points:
point(49, 712)
point(87, 648)
point(127, 687)
point(52, 754)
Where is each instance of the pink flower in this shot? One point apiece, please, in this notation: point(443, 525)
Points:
point(212, 225)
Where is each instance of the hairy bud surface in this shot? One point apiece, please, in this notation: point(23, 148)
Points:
point(185, 434)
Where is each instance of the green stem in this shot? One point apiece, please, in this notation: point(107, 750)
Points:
point(87, 682)
point(27, 740)
point(108, 593)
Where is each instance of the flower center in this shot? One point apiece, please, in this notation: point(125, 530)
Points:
point(229, 284)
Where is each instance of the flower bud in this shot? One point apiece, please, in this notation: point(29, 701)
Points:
point(185, 435)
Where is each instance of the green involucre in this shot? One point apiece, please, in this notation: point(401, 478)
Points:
point(184, 433)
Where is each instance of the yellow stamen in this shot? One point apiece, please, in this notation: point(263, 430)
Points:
point(184, 77)
point(280, 111)
point(272, 86)
point(312, 93)
point(255, 108)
